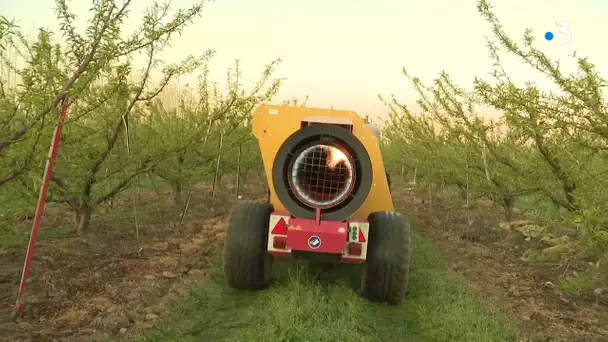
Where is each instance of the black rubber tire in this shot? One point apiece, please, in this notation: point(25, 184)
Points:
point(386, 271)
point(247, 263)
point(319, 133)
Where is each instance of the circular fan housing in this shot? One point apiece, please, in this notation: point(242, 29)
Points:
point(322, 167)
point(322, 175)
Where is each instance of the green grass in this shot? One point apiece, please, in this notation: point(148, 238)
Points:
point(307, 302)
point(22, 238)
point(539, 206)
point(11, 203)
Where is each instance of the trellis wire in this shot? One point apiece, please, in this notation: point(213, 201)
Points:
point(190, 186)
point(217, 169)
point(238, 171)
point(138, 247)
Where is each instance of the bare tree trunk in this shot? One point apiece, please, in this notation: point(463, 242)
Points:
point(464, 191)
point(153, 180)
point(509, 206)
point(82, 217)
point(177, 192)
point(110, 206)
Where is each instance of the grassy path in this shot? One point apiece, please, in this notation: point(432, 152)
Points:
point(309, 302)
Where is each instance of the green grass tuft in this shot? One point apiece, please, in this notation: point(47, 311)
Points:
point(310, 302)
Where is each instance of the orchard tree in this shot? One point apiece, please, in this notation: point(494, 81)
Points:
point(296, 102)
point(550, 145)
point(52, 70)
point(567, 129)
point(107, 93)
point(448, 143)
point(210, 127)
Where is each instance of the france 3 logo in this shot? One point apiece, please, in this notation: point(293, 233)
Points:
point(564, 32)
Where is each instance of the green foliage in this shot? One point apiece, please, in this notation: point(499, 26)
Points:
point(118, 126)
point(198, 124)
point(550, 146)
point(295, 102)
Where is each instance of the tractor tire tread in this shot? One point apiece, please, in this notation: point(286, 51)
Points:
point(246, 260)
point(386, 272)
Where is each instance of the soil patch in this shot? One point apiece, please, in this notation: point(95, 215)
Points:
point(492, 265)
point(94, 286)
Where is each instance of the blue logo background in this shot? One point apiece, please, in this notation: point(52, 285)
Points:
point(314, 242)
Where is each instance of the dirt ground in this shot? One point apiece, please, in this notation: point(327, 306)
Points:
point(94, 287)
point(492, 265)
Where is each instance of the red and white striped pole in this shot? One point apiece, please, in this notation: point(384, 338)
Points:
point(48, 172)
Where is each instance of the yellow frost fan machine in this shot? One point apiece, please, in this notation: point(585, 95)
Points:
point(329, 200)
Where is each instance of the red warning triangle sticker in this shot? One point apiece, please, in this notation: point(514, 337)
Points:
point(280, 228)
point(361, 236)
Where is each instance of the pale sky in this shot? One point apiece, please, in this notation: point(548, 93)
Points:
point(346, 52)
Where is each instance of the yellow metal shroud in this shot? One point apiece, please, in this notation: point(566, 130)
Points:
point(272, 125)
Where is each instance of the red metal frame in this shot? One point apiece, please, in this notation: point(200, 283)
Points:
point(313, 235)
point(48, 172)
point(327, 237)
